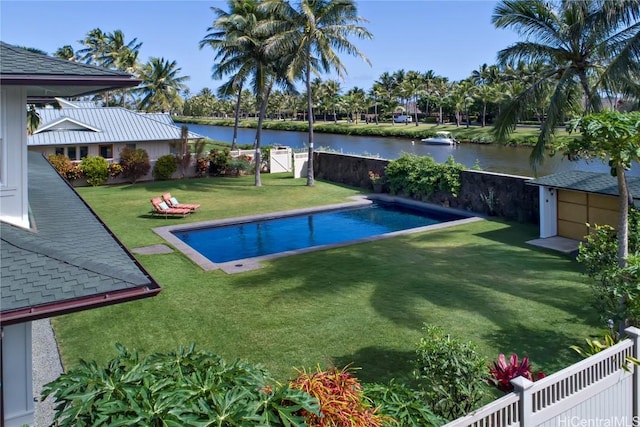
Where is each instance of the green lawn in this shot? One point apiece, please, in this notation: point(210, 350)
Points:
point(363, 304)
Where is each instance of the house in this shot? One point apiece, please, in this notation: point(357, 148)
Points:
point(57, 257)
point(571, 199)
point(81, 129)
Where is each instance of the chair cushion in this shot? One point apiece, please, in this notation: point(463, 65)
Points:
point(174, 201)
point(163, 206)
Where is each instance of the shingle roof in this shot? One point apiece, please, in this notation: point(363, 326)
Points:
point(69, 256)
point(20, 61)
point(46, 76)
point(115, 125)
point(590, 182)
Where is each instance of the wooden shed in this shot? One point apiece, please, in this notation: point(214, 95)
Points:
point(570, 200)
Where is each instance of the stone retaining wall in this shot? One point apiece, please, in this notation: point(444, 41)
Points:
point(486, 193)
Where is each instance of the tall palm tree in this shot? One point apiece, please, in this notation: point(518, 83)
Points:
point(315, 32)
point(95, 43)
point(232, 37)
point(589, 45)
point(66, 52)
point(161, 86)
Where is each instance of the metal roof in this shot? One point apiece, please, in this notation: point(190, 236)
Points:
point(113, 125)
point(589, 182)
point(46, 77)
point(69, 261)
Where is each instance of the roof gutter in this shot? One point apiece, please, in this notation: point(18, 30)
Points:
point(72, 306)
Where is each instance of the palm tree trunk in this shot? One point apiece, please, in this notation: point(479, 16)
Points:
point(263, 109)
point(234, 141)
point(484, 114)
point(310, 180)
point(623, 234)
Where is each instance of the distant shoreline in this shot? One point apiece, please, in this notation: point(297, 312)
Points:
point(522, 136)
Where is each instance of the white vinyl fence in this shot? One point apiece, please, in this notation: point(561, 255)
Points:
point(597, 391)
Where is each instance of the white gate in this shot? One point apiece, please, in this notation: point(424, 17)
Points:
point(300, 165)
point(280, 159)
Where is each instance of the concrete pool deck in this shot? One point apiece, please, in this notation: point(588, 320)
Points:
point(247, 264)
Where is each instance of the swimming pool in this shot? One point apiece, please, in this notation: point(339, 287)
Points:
point(247, 240)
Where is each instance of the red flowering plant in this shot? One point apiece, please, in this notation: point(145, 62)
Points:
point(375, 177)
point(502, 372)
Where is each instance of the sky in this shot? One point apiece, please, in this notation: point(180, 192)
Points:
point(450, 37)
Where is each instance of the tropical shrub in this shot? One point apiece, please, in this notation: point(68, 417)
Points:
point(95, 170)
point(342, 402)
point(115, 170)
point(502, 372)
point(404, 406)
point(183, 388)
point(202, 166)
point(219, 161)
point(165, 167)
point(452, 374)
point(599, 255)
point(421, 176)
point(239, 165)
point(594, 346)
point(135, 163)
point(65, 167)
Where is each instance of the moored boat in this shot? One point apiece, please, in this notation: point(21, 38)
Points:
point(441, 138)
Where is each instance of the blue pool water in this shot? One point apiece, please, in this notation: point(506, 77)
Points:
point(253, 239)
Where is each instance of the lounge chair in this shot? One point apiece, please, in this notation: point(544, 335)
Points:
point(160, 207)
point(173, 203)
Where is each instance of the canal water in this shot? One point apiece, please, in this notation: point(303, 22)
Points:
point(490, 157)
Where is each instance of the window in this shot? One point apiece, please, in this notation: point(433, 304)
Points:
point(71, 153)
point(84, 151)
point(106, 151)
point(131, 146)
point(59, 150)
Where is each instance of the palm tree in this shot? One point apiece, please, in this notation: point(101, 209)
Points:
point(161, 86)
point(589, 45)
point(315, 32)
point(66, 52)
point(95, 43)
point(232, 38)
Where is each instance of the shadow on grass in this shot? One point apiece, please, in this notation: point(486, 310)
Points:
point(380, 365)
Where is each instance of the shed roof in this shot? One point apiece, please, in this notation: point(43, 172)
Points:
point(46, 77)
point(102, 125)
point(69, 261)
point(588, 182)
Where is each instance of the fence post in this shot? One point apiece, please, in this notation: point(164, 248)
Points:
point(634, 335)
point(521, 386)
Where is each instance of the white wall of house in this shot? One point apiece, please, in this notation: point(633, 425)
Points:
point(155, 149)
point(14, 206)
point(17, 375)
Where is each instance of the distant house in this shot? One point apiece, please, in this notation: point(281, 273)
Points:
point(57, 256)
point(80, 129)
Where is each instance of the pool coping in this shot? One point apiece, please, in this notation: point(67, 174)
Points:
point(254, 263)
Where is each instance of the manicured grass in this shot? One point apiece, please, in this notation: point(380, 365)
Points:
point(363, 304)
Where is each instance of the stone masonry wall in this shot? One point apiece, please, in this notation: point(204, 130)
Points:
point(486, 193)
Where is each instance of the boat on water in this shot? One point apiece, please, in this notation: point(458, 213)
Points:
point(441, 138)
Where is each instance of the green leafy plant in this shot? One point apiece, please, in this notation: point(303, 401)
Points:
point(612, 283)
point(182, 388)
point(452, 374)
point(96, 170)
point(502, 372)
point(342, 402)
point(240, 165)
point(404, 406)
point(219, 161)
point(421, 176)
point(375, 177)
point(65, 167)
point(594, 346)
point(165, 167)
point(135, 163)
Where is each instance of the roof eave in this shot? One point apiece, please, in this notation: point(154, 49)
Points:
point(80, 304)
point(63, 80)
